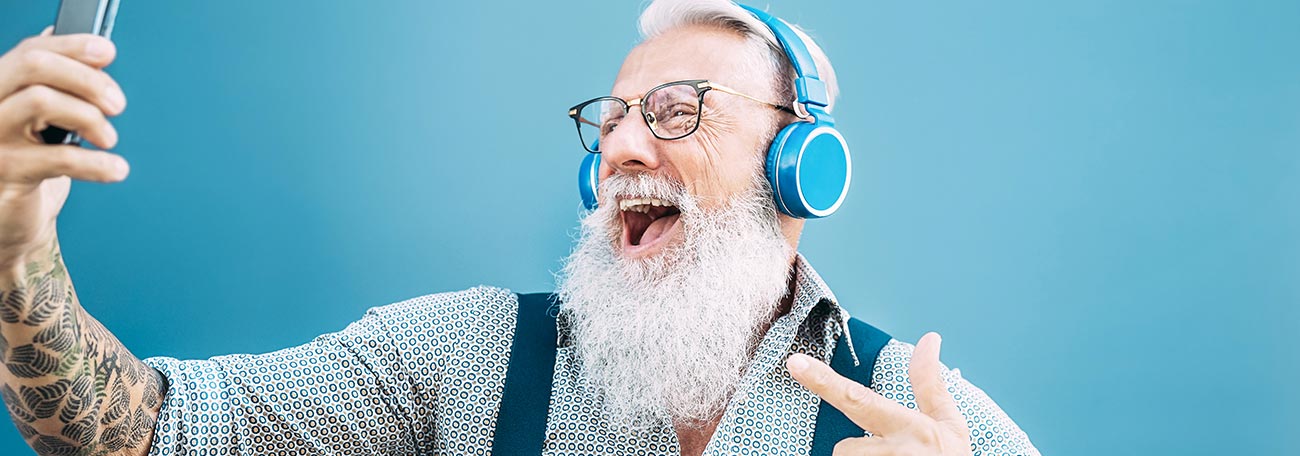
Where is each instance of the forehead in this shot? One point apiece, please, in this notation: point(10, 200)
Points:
point(690, 52)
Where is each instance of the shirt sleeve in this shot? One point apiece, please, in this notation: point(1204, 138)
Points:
point(992, 432)
point(380, 386)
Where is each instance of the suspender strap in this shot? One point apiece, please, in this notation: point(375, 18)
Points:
point(521, 420)
point(832, 425)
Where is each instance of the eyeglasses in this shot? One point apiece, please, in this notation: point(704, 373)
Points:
point(672, 111)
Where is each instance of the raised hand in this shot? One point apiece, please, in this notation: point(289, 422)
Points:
point(52, 80)
point(938, 428)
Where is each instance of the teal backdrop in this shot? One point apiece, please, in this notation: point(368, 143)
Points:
point(1096, 203)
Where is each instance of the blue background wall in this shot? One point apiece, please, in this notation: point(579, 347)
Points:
point(1097, 203)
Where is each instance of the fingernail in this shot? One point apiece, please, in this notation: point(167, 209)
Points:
point(98, 49)
point(115, 98)
point(796, 363)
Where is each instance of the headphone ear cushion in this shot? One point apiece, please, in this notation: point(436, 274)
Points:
point(810, 169)
point(773, 164)
point(589, 180)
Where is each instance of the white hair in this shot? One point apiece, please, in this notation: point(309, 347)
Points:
point(665, 15)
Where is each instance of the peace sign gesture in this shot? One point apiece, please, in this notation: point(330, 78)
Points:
point(938, 428)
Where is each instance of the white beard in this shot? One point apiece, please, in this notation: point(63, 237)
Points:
point(668, 337)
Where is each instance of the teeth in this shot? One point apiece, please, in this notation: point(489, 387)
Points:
point(641, 205)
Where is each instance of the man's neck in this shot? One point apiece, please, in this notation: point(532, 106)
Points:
point(694, 437)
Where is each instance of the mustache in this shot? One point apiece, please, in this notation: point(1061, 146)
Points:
point(642, 185)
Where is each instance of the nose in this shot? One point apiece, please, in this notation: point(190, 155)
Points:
point(630, 148)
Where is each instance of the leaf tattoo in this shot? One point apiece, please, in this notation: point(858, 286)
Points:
point(77, 390)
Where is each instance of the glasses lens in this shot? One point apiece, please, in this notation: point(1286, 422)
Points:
point(597, 119)
point(672, 111)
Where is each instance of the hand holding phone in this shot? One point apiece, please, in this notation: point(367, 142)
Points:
point(80, 16)
point(52, 80)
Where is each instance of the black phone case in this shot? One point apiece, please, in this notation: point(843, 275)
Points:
point(80, 16)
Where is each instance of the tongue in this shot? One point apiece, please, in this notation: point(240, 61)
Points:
point(657, 228)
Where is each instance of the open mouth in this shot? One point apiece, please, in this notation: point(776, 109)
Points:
point(647, 223)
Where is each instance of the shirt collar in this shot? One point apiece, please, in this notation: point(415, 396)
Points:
point(821, 317)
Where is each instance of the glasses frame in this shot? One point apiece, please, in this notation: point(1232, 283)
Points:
point(701, 87)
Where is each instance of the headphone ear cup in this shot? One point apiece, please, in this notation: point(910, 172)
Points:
point(810, 169)
point(589, 180)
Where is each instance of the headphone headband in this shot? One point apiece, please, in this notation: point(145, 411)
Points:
point(809, 88)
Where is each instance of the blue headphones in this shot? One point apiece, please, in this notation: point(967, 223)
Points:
point(808, 163)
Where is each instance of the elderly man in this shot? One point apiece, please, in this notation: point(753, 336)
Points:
point(684, 323)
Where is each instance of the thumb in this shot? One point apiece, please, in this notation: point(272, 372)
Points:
point(925, 372)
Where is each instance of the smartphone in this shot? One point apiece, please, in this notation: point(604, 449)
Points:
point(80, 16)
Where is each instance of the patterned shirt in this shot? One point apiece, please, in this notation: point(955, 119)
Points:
point(425, 376)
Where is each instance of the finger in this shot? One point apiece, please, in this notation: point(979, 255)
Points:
point(90, 49)
point(858, 446)
point(49, 30)
point(925, 372)
point(860, 404)
point(37, 107)
point(34, 163)
point(43, 67)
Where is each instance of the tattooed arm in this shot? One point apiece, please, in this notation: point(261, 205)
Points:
point(70, 386)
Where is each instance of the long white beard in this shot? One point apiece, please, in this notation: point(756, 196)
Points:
point(668, 337)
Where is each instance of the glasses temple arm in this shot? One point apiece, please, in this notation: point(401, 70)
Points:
point(776, 106)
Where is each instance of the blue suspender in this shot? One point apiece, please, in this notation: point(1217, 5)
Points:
point(521, 420)
point(833, 426)
point(526, 400)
